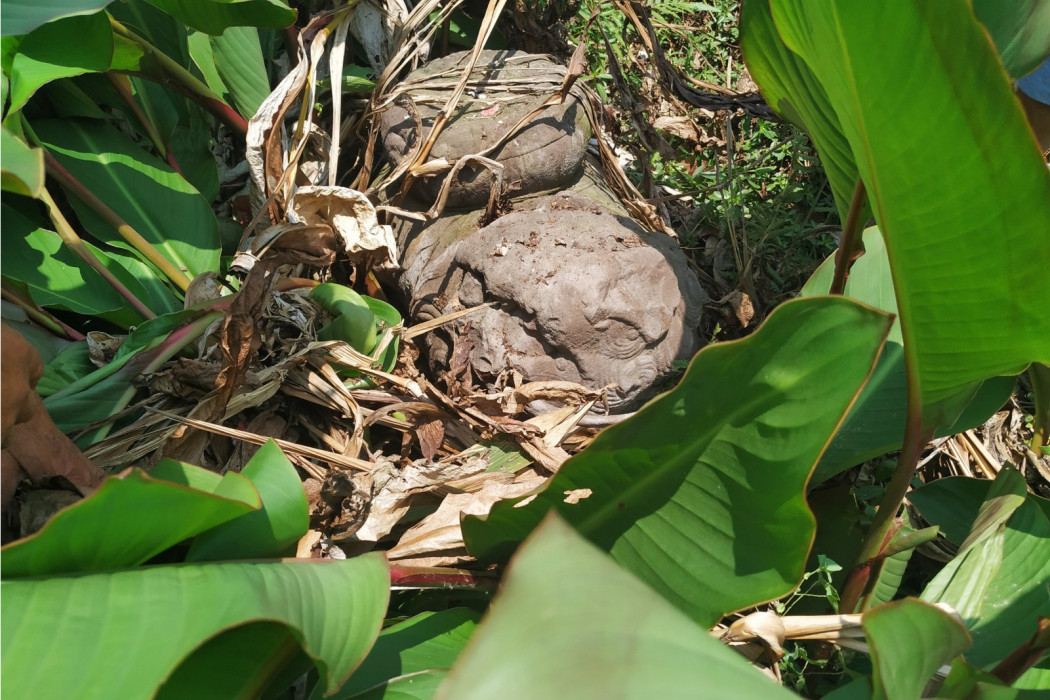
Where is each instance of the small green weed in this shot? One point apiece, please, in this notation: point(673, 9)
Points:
point(746, 195)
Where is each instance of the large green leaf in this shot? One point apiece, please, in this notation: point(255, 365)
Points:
point(23, 16)
point(701, 494)
point(952, 504)
point(239, 62)
point(131, 518)
point(909, 641)
point(57, 278)
point(998, 581)
point(790, 88)
point(961, 195)
point(69, 365)
point(239, 663)
point(67, 47)
point(215, 16)
point(409, 659)
point(875, 424)
point(569, 621)
point(143, 190)
point(1020, 30)
point(156, 26)
point(965, 682)
point(121, 634)
point(23, 167)
point(1018, 595)
point(278, 525)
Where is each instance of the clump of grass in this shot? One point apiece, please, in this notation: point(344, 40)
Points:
point(747, 195)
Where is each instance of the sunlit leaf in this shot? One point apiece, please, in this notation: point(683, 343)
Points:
point(142, 189)
point(23, 16)
point(567, 617)
point(701, 494)
point(909, 640)
point(275, 527)
point(64, 48)
point(959, 198)
point(131, 518)
point(214, 16)
point(161, 614)
point(23, 167)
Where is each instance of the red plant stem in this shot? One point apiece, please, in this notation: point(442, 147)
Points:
point(178, 339)
point(882, 527)
point(435, 577)
point(1025, 656)
point(76, 244)
point(123, 86)
point(290, 35)
point(40, 316)
point(851, 238)
point(169, 72)
point(66, 179)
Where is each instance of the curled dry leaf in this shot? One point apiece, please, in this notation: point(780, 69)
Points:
point(393, 490)
point(205, 287)
point(32, 446)
point(352, 217)
point(374, 25)
point(764, 625)
point(437, 540)
point(682, 127)
point(102, 347)
point(514, 399)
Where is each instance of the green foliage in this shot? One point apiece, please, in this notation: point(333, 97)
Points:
point(23, 16)
point(1020, 30)
point(59, 279)
point(160, 616)
point(1000, 205)
point(699, 501)
point(216, 16)
point(875, 424)
point(998, 580)
point(910, 640)
point(568, 617)
point(139, 187)
point(64, 48)
point(410, 658)
point(673, 492)
point(23, 170)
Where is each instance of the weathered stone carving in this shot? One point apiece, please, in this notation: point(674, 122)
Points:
point(583, 293)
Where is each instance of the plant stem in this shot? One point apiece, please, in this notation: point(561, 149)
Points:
point(851, 239)
point(129, 234)
point(170, 73)
point(123, 86)
point(76, 244)
point(886, 524)
point(1040, 376)
point(42, 317)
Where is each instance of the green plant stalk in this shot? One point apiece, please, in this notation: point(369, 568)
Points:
point(886, 524)
point(172, 74)
point(129, 234)
point(151, 360)
point(76, 244)
point(123, 86)
point(851, 239)
point(42, 317)
point(1039, 374)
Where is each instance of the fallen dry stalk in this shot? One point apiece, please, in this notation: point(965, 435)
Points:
point(292, 447)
